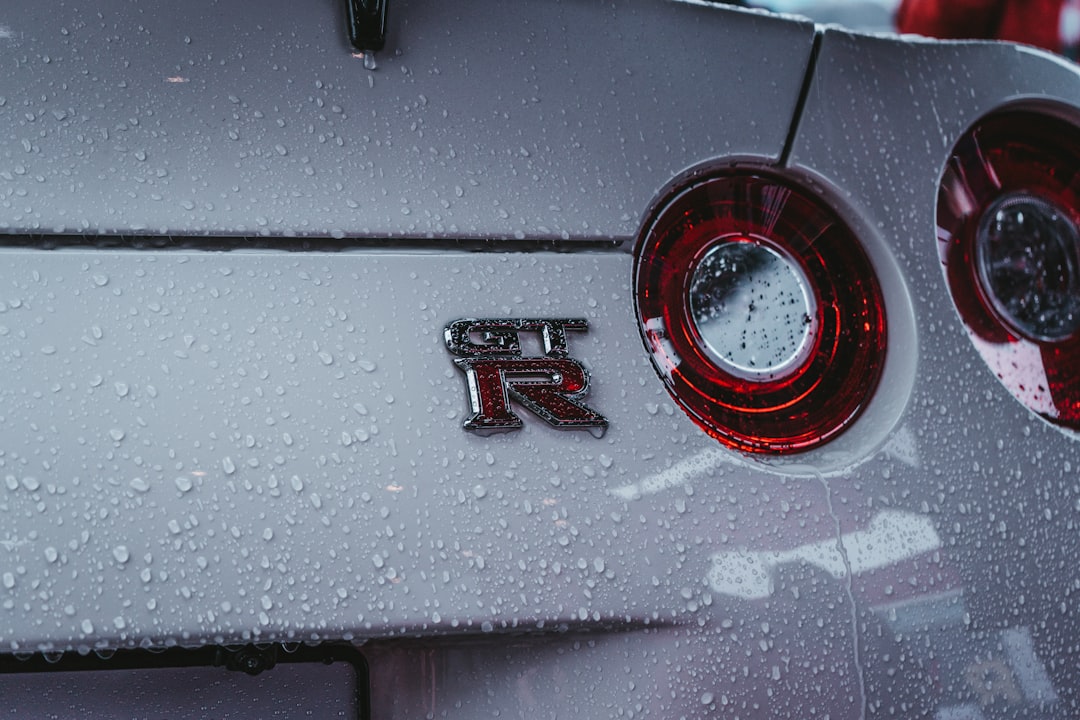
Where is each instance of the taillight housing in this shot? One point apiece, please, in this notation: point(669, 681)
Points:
point(761, 312)
point(1009, 243)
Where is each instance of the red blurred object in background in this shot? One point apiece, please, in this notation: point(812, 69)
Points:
point(1050, 24)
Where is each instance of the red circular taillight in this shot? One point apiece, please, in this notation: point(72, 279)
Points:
point(761, 312)
point(1009, 242)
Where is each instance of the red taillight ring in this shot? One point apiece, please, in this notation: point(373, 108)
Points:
point(790, 343)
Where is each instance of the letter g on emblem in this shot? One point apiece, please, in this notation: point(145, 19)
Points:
point(548, 385)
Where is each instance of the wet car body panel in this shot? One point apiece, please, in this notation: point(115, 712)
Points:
point(480, 121)
point(995, 479)
point(262, 444)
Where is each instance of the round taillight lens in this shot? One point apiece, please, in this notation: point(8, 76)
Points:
point(1027, 256)
point(1009, 242)
point(761, 313)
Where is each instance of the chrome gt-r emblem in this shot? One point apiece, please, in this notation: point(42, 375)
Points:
point(549, 385)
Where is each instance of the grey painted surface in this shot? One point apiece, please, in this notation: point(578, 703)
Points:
point(270, 444)
point(482, 120)
point(207, 447)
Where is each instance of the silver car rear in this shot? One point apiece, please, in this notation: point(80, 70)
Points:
point(231, 419)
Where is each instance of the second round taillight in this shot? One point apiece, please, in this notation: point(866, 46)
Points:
point(1008, 239)
point(761, 312)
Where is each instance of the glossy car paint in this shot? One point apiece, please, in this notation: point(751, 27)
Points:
point(481, 121)
point(204, 446)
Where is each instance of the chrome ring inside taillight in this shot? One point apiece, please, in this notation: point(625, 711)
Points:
point(752, 307)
